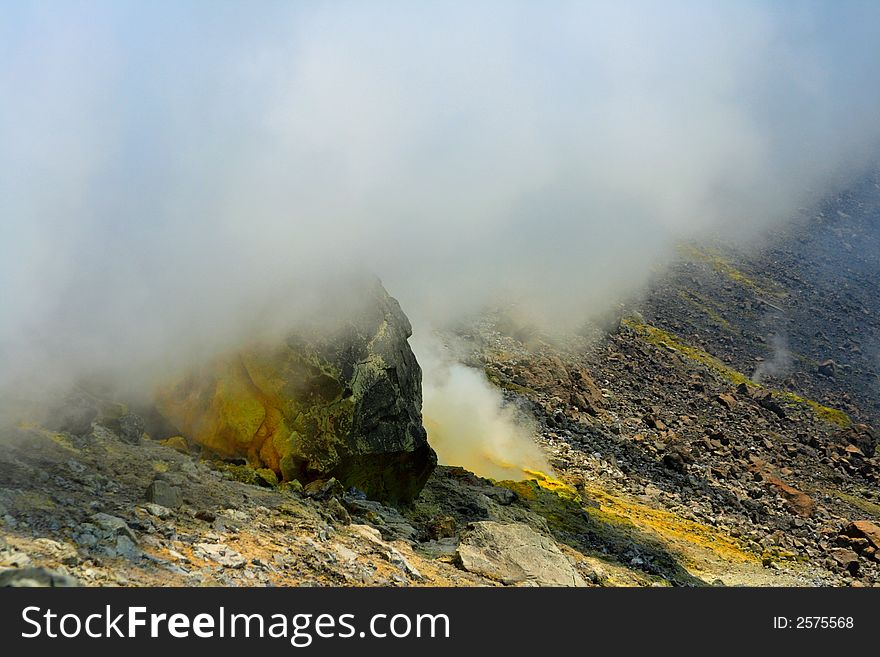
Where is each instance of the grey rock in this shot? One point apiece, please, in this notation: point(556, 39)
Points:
point(131, 428)
point(503, 496)
point(58, 550)
point(323, 490)
point(76, 466)
point(164, 494)
point(112, 526)
point(397, 558)
point(219, 554)
point(338, 512)
point(11, 557)
point(827, 368)
point(126, 548)
point(444, 547)
point(235, 516)
point(158, 510)
point(205, 514)
point(390, 522)
point(515, 554)
point(174, 478)
point(35, 577)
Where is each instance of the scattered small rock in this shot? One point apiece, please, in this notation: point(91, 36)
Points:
point(113, 526)
point(158, 510)
point(847, 559)
point(827, 368)
point(727, 400)
point(323, 489)
point(292, 486)
point(220, 554)
point(442, 527)
point(337, 511)
point(206, 514)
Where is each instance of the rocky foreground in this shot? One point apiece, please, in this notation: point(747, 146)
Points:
point(718, 434)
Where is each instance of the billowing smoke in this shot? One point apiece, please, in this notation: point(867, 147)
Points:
point(775, 325)
point(780, 362)
point(174, 176)
point(467, 421)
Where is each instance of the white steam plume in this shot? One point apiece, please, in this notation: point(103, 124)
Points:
point(468, 423)
point(780, 362)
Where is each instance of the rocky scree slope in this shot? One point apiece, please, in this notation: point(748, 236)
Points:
point(800, 309)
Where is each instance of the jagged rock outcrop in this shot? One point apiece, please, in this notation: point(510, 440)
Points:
point(344, 403)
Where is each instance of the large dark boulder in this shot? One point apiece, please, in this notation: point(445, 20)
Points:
point(341, 401)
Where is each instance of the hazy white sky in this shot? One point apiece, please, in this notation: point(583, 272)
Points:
point(174, 173)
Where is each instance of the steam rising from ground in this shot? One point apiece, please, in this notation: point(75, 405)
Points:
point(175, 176)
point(469, 425)
point(780, 362)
